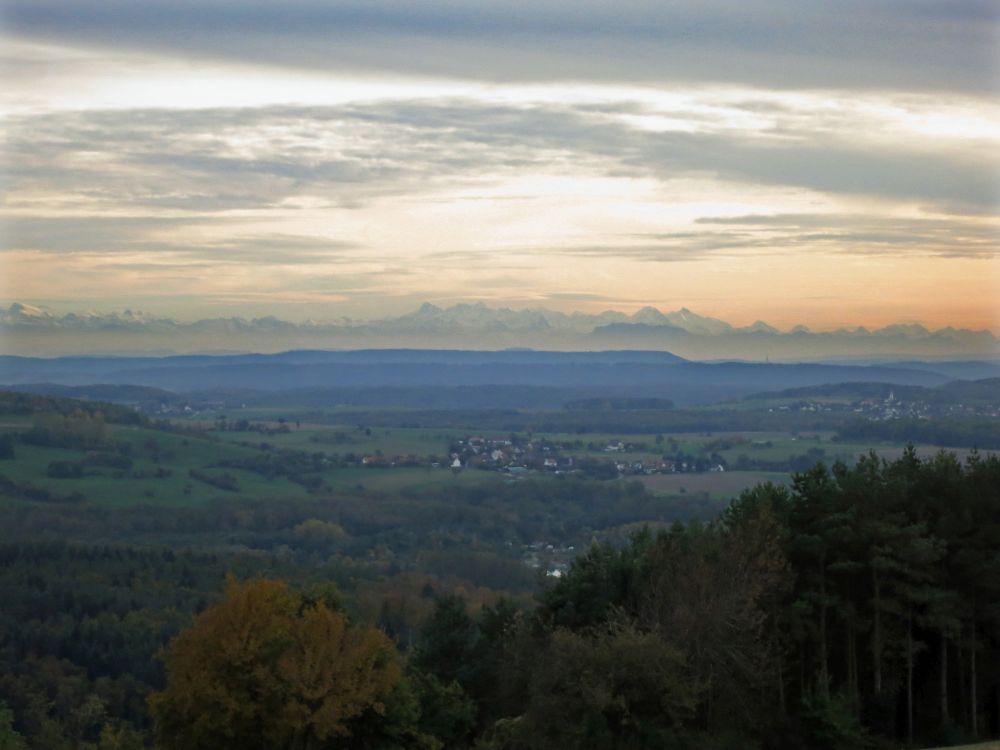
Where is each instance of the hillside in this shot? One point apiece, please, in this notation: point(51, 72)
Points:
point(603, 373)
point(985, 391)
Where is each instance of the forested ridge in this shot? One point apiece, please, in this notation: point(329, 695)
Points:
point(857, 608)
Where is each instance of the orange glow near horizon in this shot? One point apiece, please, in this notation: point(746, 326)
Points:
point(251, 190)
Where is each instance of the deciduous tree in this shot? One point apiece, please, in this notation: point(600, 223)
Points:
point(266, 668)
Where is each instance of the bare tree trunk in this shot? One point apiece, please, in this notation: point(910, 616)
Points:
point(998, 709)
point(851, 659)
point(853, 644)
point(877, 633)
point(909, 675)
point(973, 699)
point(944, 678)
point(802, 672)
point(847, 656)
point(824, 665)
point(962, 717)
point(781, 686)
point(779, 660)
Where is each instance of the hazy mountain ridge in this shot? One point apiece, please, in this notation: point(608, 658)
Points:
point(621, 373)
point(33, 330)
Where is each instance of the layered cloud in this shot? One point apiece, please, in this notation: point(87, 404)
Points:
point(872, 44)
point(832, 164)
point(212, 159)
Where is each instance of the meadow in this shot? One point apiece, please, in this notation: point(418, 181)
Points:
point(194, 461)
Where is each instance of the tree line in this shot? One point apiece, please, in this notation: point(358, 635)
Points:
point(857, 608)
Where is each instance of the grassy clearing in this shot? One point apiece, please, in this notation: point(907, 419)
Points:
point(402, 441)
point(393, 441)
point(757, 404)
point(325, 416)
point(388, 480)
point(720, 485)
point(780, 447)
point(162, 462)
point(153, 454)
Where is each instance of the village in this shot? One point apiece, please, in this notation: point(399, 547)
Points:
point(517, 455)
point(892, 406)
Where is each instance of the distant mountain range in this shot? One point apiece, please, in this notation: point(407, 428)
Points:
point(32, 330)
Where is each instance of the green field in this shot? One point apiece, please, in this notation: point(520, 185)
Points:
point(173, 453)
point(394, 441)
point(162, 462)
point(408, 478)
point(718, 485)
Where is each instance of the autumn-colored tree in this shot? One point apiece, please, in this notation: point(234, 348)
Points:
point(267, 668)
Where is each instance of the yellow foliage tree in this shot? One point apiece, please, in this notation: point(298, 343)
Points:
point(266, 668)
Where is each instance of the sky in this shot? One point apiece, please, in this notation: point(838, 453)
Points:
point(797, 161)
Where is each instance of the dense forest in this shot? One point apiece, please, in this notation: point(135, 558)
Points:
point(856, 608)
point(974, 433)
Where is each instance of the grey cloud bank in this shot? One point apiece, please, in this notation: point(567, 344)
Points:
point(221, 157)
point(171, 170)
point(897, 44)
